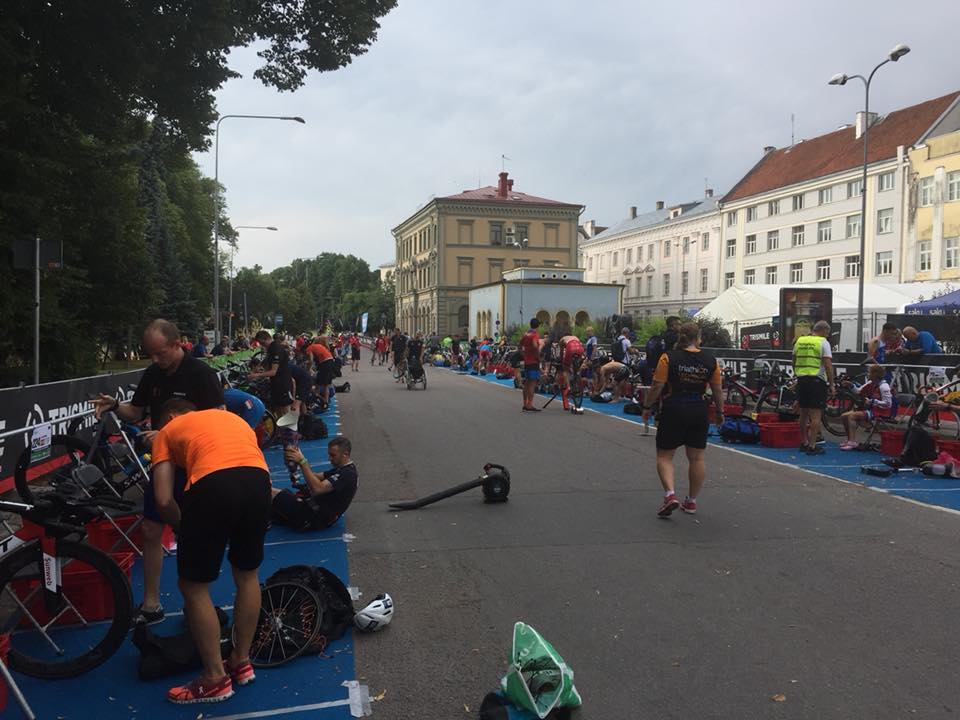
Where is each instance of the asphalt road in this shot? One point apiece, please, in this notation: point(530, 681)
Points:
point(842, 600)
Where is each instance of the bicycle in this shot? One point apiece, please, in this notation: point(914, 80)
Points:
point(414, 374)
point(50, 638)
point(777, 391)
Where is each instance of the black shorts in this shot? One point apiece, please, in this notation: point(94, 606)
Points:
point(621, 374)
point(294, 512)
point(229, 506)
point(683, 424)
point(355, 353)
point(326, 372)
point(811, 392)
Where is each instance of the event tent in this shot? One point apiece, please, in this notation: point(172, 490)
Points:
point(948, 303)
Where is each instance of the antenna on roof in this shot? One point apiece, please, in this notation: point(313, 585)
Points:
point(503, 162)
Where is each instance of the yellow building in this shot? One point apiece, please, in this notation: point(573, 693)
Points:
point(455, 243)
point(933, 201)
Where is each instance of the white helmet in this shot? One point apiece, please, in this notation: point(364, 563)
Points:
point(376, 615)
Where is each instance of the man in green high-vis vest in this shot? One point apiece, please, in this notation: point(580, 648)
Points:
point(813, 367)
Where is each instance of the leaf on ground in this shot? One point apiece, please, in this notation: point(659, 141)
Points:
point(381, 696)
point(466, 708)
point(779, 697)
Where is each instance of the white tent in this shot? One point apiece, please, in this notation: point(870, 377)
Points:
point(741, 305)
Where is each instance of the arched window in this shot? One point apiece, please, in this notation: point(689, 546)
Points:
point(582, 318)
point(463, 318)
point(544, 317)
point(562, 321)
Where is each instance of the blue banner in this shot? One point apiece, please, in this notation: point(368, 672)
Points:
point(363, 322)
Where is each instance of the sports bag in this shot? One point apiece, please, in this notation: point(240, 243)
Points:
point(741, 429)
point(616, 350)
point(633, 408)
point(165, 655)
point(918, 447)
point(335, 600)
point(345, 388)
point(604, 397)
point(311, 428)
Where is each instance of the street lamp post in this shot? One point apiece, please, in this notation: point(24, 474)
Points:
point(233, 247)
point(841, 79)
point(216, 208)
point(520, 245)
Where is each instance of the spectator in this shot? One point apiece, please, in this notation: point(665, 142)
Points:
point(277, 368)
point(591, 344)
point(222, 348)
point(530, 347)
point(327, 495)
point(200, 349)
point(918, 342)
point(888, 341)
point(672, 333)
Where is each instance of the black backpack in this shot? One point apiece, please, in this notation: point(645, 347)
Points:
point(656, 346)
point(311, 428)
point(335, 600)
point(918, 447)
point(616, 350)
point(165, 655)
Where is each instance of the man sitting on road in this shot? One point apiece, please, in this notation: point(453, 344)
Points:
point(326, 496)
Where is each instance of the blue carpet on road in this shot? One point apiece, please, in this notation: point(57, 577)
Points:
point(835, 463)
point(309, 686)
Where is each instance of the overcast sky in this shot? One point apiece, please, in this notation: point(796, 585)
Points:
point(607, 104)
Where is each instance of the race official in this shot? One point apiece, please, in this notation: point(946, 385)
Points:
point(813, 368)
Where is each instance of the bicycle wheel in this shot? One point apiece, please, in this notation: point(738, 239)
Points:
point(66, 454)
point(837, 406)
point(777, 401)
point(734, 396)
point(289, 622)
point(64, 635)
point(944, 424)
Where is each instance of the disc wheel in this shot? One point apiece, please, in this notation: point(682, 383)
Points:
point(289, 622)
point(66, 454)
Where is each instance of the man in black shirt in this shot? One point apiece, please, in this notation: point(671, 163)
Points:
point(276, 366)
point(326, 497)
point(399, 346)
point(415, 354)
point(671, 335)
point(174, 373)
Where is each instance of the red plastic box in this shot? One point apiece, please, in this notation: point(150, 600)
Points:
point(891, 442)
point(101, 534)
point(732, 409)
point(767, 418)
point(951, 447)
point(780, 434)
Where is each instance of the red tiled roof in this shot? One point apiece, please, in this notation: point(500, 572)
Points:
point(839, 150)
point(489, 194)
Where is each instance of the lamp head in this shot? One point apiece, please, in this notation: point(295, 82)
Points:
point(898, 52)
point(839, 79)
point(271, 227)
point(295, 118)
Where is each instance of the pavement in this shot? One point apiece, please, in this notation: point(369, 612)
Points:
point(791, 594)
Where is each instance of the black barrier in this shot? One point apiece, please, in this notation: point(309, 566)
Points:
point(35, 404)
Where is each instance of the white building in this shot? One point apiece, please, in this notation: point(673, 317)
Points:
point(666, 259)
point(794, 219)
point(386, 271)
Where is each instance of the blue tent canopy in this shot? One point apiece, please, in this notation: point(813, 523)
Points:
point(949, 303)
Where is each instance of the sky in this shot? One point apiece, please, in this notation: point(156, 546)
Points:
point(607, 104)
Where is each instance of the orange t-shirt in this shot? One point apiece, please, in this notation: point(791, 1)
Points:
point(204, 441)
point(319, 353)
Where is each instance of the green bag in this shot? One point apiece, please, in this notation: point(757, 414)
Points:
point(538, 679)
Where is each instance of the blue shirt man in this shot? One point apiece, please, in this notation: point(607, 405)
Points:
point(919, 342)
point(247, 406)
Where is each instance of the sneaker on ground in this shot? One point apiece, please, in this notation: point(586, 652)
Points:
point(816, 451)
point(670, 503)
point(198, 692)
point(241, 673)
point(689, 506)
point(848, 445)
point(148, 617)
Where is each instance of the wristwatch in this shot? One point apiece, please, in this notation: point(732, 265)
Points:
point(303, 461)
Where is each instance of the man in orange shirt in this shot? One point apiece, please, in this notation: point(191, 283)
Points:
point(325, 365)
point(226, 501)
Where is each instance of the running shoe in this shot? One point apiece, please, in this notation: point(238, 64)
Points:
point(689, 506)
point(197, 692)
point(670, 503)
point(815, 451)
point(148, 617)
point(241, 674)
point(849, 445)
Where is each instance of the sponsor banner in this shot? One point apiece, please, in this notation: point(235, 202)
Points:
point(760, 337)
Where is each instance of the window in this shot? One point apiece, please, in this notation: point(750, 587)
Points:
point(650, 286)
point(522, 231)
point(749, 276)
point(951, 255)
point(629, 256)
point(590, 263)
point(796, 272)
point(464, 233)
point(705, 242)
point(496, 233)
point(885, 221)
point(602, 263)
point(798, 202)
point(925, 194)
point(704, 279)
point(639, 286)
point(773, 240)
point(465, 272)
point(885, 181)
point(751, 213)
point(773, 207)
point(666, 248)
point(684, 282)
point(885, 263)
point(853, 226)
point(751, 244)
point(823, 269)
point(731, 218)
point(851, 266)
point(824, 231)
point(666, 283)
point(825, 195)
point(650, 249)
point(686, 246)
point(953, 186)
point(731, 247)
point(772, 275)
point(855, 188)
point(727, 280)
point(616, 259)
point(924, 255)
point(796, 236)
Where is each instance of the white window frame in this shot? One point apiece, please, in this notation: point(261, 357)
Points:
point(704, 279)
point(773, 207)
point(731, 249)
point(796, 273)
point(704, 241)
point(797, 201)
point(886, 180)
point(798, 238)
point(884, 263)
point(685, 282)
point(823, 269)
point(925, 191)
point(852, 225)
point(925, 256)
point(731, 218)
point(728, 280)
point(590, 263)
point(666, 248)
point(666, 284)
point(825, 195)
point(616, 259)
point(855, 188)
point(750, 245)
point(750, 277)
point(824, 225)
point(773, 240)
point(650, 251)
point(629, 257)
point(884, 221)
point(851, 266)
point(751, 213)
point(771, 275)
point(951, 253)
point(953, 186)
point(686, 245)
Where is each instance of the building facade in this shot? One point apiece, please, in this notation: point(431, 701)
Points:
point(795, 218)
point(458, 242)
point(666, 260)
point(386, 272)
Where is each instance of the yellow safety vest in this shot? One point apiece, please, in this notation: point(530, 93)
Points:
point(807, 355)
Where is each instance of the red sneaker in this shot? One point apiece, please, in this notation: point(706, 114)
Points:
point(670, 503)
point(198, 692)
point(241, 673)
point(689, 506)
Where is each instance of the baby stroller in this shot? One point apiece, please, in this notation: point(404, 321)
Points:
point(415, 374)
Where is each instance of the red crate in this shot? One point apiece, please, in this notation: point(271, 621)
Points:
point(732, 409)
point(951, 447)
point(101, 534)
point(780, 434)
point(767, 417)
point(84, 587)
point(891, 442)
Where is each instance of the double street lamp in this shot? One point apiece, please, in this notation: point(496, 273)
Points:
point(216, 208)
point(841, 79)
point(233, 247)
point(520, 244)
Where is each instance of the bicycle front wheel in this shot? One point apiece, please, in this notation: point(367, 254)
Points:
point(66, 454)
point(288, 625)
point(65, 634)
point(837, 406)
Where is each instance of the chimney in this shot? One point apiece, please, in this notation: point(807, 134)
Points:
point(510, 185)
point(861, 125)
point(659, 204)
point(502, 185)
point(633, 212)
point(709, 192)
point(768, 149)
